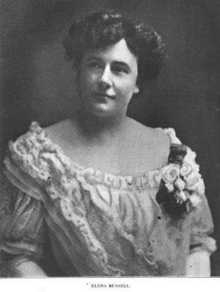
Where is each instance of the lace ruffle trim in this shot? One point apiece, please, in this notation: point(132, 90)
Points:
point(45, 161)
point(36, 153)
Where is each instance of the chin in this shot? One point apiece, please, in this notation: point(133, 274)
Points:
point(100, 112)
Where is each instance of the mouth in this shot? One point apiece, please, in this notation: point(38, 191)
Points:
point(103, 95)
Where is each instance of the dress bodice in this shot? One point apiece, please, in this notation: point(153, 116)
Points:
point(102, 224)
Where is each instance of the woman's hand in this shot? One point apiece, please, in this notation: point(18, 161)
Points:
point(27, 269)
point(198, 264)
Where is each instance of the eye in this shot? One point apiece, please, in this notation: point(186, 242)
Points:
point(119, 69)
point(94, 65)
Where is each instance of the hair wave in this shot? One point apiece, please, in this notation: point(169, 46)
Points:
point(99, 30)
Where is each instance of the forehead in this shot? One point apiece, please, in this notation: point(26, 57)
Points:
point(118, 52)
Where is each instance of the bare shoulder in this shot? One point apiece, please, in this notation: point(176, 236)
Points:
point(155, 136)
point(152, 142)
point(62, 132)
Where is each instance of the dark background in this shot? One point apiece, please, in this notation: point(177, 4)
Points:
point(37, 82)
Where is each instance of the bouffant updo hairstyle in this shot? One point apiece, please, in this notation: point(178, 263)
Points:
point(99, 30)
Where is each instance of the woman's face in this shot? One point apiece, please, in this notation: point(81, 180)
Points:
point(107, 80)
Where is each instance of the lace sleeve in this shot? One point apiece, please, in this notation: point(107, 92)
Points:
point(201, 224)
point(182, 193)
point(22, 222)
point(201, 228)
point(22, 230)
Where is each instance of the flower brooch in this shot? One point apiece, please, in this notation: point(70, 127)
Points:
point(184, 180)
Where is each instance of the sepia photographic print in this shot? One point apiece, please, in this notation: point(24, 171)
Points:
point(110, 140)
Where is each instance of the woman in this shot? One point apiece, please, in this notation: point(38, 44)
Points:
point(116, 198)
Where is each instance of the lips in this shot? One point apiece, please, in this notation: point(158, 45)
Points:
point(103, 95)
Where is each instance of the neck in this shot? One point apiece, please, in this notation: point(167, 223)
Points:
point(94, 127)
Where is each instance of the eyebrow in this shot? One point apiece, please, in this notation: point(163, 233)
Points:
point(119, 63)
point(94, 58)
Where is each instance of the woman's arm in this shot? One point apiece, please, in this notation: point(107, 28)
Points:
point(22, 238)
point(22, 267)
point(198, 264)
point(23, 226)
point(25, 269)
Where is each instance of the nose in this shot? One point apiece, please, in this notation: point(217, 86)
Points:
point(105, 79)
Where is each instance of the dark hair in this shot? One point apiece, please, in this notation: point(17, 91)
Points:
point(99, 30)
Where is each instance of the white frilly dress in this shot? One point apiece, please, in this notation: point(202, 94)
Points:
point(99, 224)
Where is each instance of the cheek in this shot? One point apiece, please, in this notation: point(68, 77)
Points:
point(128, 88)
point(90, 79)
point(86, 81)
